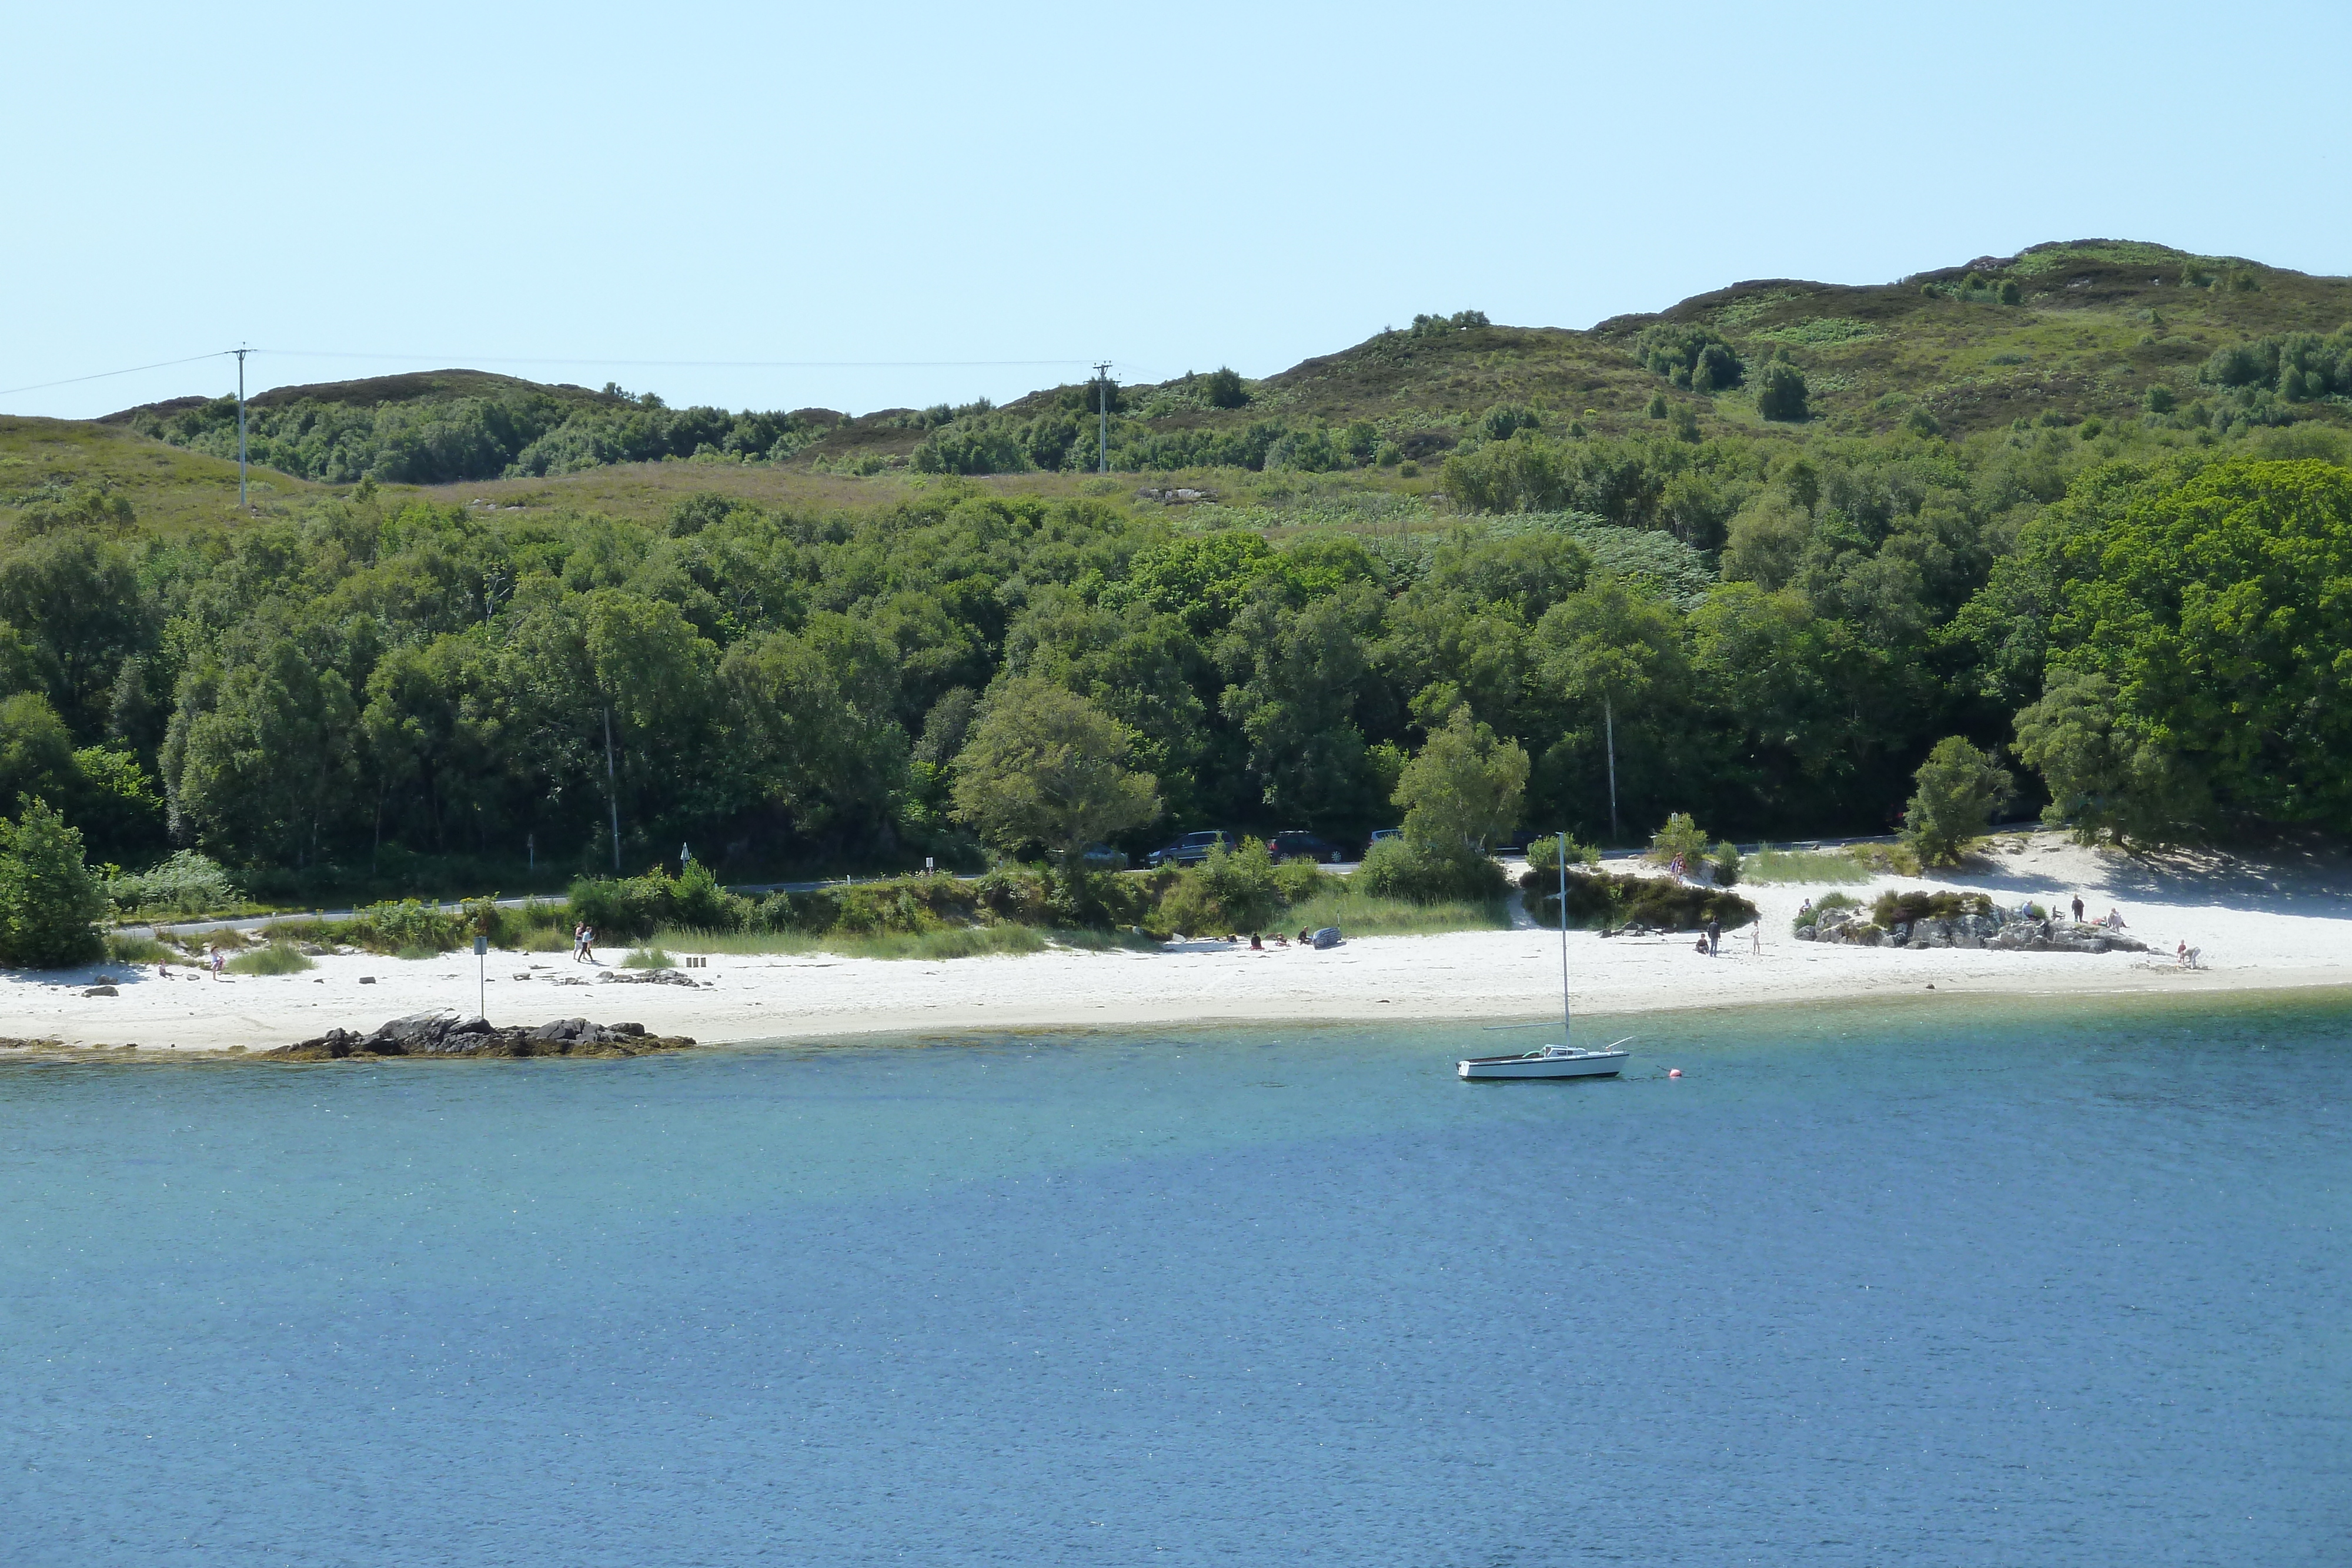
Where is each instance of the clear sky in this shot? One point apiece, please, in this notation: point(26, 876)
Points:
point(569, 192)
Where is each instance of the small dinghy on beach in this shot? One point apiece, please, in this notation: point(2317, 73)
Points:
point(1553, 1061)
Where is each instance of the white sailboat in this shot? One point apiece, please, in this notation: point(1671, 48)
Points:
point(1563, 1060)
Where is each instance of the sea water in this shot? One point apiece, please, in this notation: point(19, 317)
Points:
point(2050, 1284)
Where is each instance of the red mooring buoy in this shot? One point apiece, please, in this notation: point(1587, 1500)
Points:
point(1674, 1073)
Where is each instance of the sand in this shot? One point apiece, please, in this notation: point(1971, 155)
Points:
point(2281, 924)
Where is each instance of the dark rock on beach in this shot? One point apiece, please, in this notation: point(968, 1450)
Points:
point(447, 1034)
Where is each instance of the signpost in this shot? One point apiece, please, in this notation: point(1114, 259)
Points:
point(481, 973)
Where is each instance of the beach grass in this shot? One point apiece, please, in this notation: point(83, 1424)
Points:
point(649, 956)
point(1363, 914)
point(951, 942)
point(1803, 865)
point(126, 949)
point(277, 958)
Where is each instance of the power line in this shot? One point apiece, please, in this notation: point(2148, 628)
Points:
point(678, 364)
point(617, 364)
point(160, 364)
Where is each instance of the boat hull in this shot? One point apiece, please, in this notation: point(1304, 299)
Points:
point(1584, 1064)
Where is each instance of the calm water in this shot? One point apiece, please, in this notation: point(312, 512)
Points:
point(1865, 1287)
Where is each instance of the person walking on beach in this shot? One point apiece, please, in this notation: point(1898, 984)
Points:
point(220, 962)
point(2078, 909)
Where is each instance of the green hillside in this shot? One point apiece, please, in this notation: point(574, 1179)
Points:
point(2083, 514)
point(2107, 329)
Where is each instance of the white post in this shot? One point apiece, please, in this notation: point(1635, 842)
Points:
point(1567, 1022)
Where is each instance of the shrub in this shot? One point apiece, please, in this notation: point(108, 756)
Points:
point(1781, 393)
point(403, 924)
point(1300, 879)
point(1611, 902)
point(1681, 839)
point(636, 906)
point(1543, 854)
point(1400, 868)
point(1012, 892)
point(1233, 890)
point(2160, 399)
point(51, 904)
point(1959, 789)
point(1223, 389)
point(187, 883)
point(1893, 908)
point(1727, 863)
point(650, 958)
point(2009, 293)
point(280, 958)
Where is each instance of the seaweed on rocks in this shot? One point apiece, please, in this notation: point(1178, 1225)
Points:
point(440, 1034)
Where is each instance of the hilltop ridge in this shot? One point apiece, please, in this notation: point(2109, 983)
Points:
point(2064, 332)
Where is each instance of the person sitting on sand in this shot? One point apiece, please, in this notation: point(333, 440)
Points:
point(1808, 909)
point(1257, 945)
point(1304, 935)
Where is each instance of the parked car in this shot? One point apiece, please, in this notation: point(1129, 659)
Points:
point(1380, 833)
point(1102, 857)
point(1297, 842)
point(1193, 848)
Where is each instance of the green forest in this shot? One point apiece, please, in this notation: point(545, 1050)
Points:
point(2145, 614)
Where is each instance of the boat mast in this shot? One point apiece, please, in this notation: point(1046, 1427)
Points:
point(1566, 1025)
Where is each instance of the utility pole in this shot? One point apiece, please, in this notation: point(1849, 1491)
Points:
point(240, 427)
point(1102, 399)
point(1609, 717)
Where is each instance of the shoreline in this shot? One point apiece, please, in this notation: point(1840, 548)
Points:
point(2263, 929)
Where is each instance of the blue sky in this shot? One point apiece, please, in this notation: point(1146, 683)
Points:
point(570, 192)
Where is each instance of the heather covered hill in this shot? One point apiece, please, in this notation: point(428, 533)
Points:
point(2096, 328)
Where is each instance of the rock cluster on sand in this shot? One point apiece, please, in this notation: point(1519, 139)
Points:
point(2001, 931)
point(447, 1034)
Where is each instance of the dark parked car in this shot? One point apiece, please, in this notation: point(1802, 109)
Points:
point(1297, 842)
point(1193, 848)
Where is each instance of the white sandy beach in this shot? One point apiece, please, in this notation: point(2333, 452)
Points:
point(2262, 927)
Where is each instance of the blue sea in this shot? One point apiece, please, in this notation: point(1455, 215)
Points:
point(1944, 1283)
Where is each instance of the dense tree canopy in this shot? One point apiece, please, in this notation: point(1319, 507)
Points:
point(1767, 634)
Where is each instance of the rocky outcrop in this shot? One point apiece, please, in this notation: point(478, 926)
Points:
point(447, 1034)
point(2001, 931)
